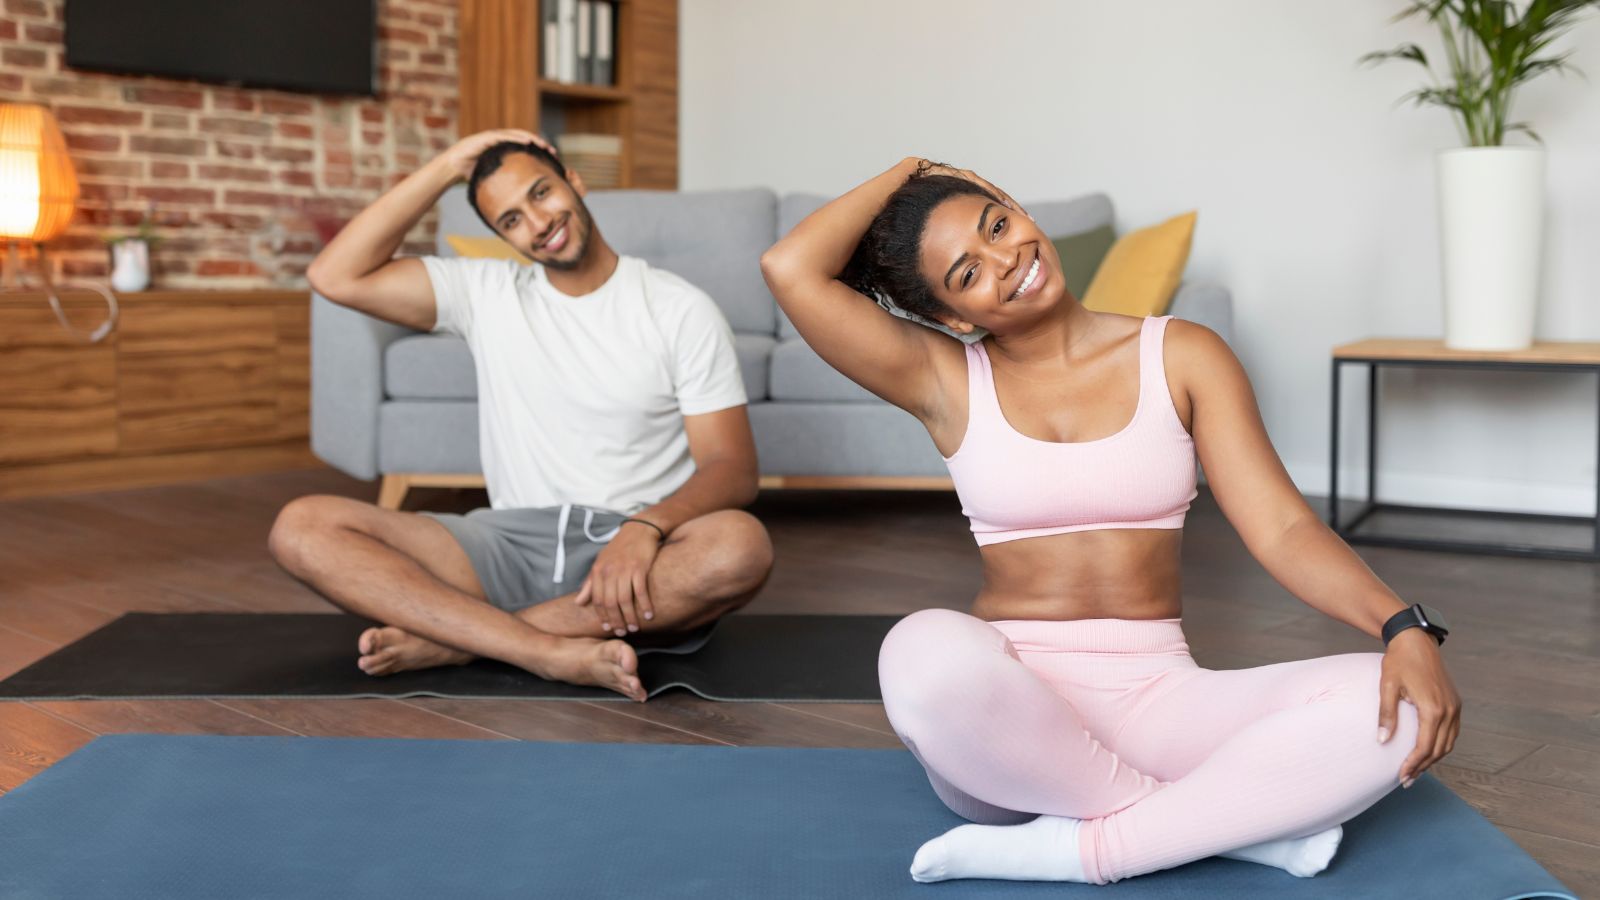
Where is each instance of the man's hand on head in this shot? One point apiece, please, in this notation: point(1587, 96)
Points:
point(618, 586)
point(463, 155)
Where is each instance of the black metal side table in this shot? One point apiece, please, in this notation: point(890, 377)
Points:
point(1544, 356)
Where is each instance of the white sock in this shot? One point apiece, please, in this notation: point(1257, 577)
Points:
point(1300, 857)
point(1045, 849)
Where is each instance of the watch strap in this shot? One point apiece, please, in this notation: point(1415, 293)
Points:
point(1410, 617)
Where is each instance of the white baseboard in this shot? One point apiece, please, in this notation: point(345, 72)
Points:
point(1452, 491)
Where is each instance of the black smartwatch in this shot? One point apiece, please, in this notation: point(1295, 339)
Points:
point(1416, 616)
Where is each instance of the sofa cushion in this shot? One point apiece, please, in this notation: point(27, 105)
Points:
point(1080, 255)
point(755, 362)
point(713, 239)
point(428, 436)
point(439, 367)
point(429, 367)
point(851, 439)
point(798, 373)
point(1143, 269)
point(1056, 218)
point(1205, 304)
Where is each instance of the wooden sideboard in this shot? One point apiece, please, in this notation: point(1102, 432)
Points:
point(193, 384)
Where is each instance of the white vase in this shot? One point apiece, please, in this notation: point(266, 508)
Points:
point(1491, 225)
point(130, 266)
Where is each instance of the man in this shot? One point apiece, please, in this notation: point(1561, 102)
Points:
point(615, 441)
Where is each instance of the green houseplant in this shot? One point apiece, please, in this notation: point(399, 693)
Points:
point(1490, 51)
point(1491, 196)
point(130, 254)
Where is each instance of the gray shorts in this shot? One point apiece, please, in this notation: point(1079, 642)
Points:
point(528, 556)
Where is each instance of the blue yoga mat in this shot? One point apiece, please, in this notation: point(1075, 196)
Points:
point(148, 816)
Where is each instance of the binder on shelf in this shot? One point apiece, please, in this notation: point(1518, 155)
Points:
point(550, 44)
point(605, 49)
point(568, 27)
point(586, 41)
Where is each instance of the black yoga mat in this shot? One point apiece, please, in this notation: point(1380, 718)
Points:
point(152, 655)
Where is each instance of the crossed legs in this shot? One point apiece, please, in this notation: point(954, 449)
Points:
point(407, 572)
point(1195, 763)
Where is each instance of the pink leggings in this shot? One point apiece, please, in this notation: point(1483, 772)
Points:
point(1111, 721)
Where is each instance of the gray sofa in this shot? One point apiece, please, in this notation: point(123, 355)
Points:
point(388, 401)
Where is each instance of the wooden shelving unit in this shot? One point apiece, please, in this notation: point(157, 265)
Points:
point(555, 91)
point(501, 87)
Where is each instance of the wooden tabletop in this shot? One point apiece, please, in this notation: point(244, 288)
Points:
point(72, 298)
point(1555, 353)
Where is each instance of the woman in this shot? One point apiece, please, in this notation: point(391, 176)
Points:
point(1068, 699)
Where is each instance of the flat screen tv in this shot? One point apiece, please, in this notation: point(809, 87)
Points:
point(318, 46)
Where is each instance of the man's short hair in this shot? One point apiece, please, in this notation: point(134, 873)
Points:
point(490, 160)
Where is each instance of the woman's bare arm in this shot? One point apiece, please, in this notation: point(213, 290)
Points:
point(1257, 495)
point(1296, 548)
point(885, 354)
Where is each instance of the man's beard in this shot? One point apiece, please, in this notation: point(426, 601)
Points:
point(581, 226)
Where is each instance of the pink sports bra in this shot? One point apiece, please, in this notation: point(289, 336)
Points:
point(1013, 486)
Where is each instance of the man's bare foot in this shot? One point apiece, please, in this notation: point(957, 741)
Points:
point(387, 650)
point(610, 664)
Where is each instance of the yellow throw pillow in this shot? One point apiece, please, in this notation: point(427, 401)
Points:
point(484, 248)
point(1141, 272)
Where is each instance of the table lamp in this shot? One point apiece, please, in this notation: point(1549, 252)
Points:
point(38, 192)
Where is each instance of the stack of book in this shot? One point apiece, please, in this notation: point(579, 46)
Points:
point(579, 43)
point(597, 157)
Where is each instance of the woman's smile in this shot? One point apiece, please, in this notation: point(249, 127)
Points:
point(1032, 279)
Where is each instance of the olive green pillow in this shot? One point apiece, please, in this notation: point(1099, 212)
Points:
point(1081, 254)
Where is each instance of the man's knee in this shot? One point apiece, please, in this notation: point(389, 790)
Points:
point(298, 524)
point(733, 555)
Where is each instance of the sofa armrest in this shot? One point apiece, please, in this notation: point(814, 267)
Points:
point(1205, 304)
point(347, 385)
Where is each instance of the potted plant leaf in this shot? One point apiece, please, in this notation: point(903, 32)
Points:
point(1491, 195)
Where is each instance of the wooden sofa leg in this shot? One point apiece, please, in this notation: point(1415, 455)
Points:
point(392, 493)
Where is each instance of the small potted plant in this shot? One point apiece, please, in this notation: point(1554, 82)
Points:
point(1491, 196)
point(130, 255)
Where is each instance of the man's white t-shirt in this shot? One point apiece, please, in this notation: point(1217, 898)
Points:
point(581, 399)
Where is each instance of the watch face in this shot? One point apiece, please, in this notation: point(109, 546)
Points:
point(1433, 618)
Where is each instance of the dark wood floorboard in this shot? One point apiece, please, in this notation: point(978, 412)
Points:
point(159, 717)
point(1526, 652)
point(372, 718)
point(746, 724)
point(31, 740)
point(1576, 864)
point(558, 720)
point(18, 649)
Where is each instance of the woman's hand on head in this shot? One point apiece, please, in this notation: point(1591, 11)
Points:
point(1414, 670)
point(929, 167)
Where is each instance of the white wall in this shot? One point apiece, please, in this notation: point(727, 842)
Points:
point(1315, 193)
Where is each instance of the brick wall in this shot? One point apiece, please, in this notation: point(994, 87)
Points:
point(244, 185)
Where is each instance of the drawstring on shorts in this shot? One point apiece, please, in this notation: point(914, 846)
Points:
point(559, 573)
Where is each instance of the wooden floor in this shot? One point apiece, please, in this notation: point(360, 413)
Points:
point(1526, 652)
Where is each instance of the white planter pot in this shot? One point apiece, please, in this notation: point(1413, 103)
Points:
point(1491, 226)
point(130, 266)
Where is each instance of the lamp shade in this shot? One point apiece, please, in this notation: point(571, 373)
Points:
point(38, 189)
